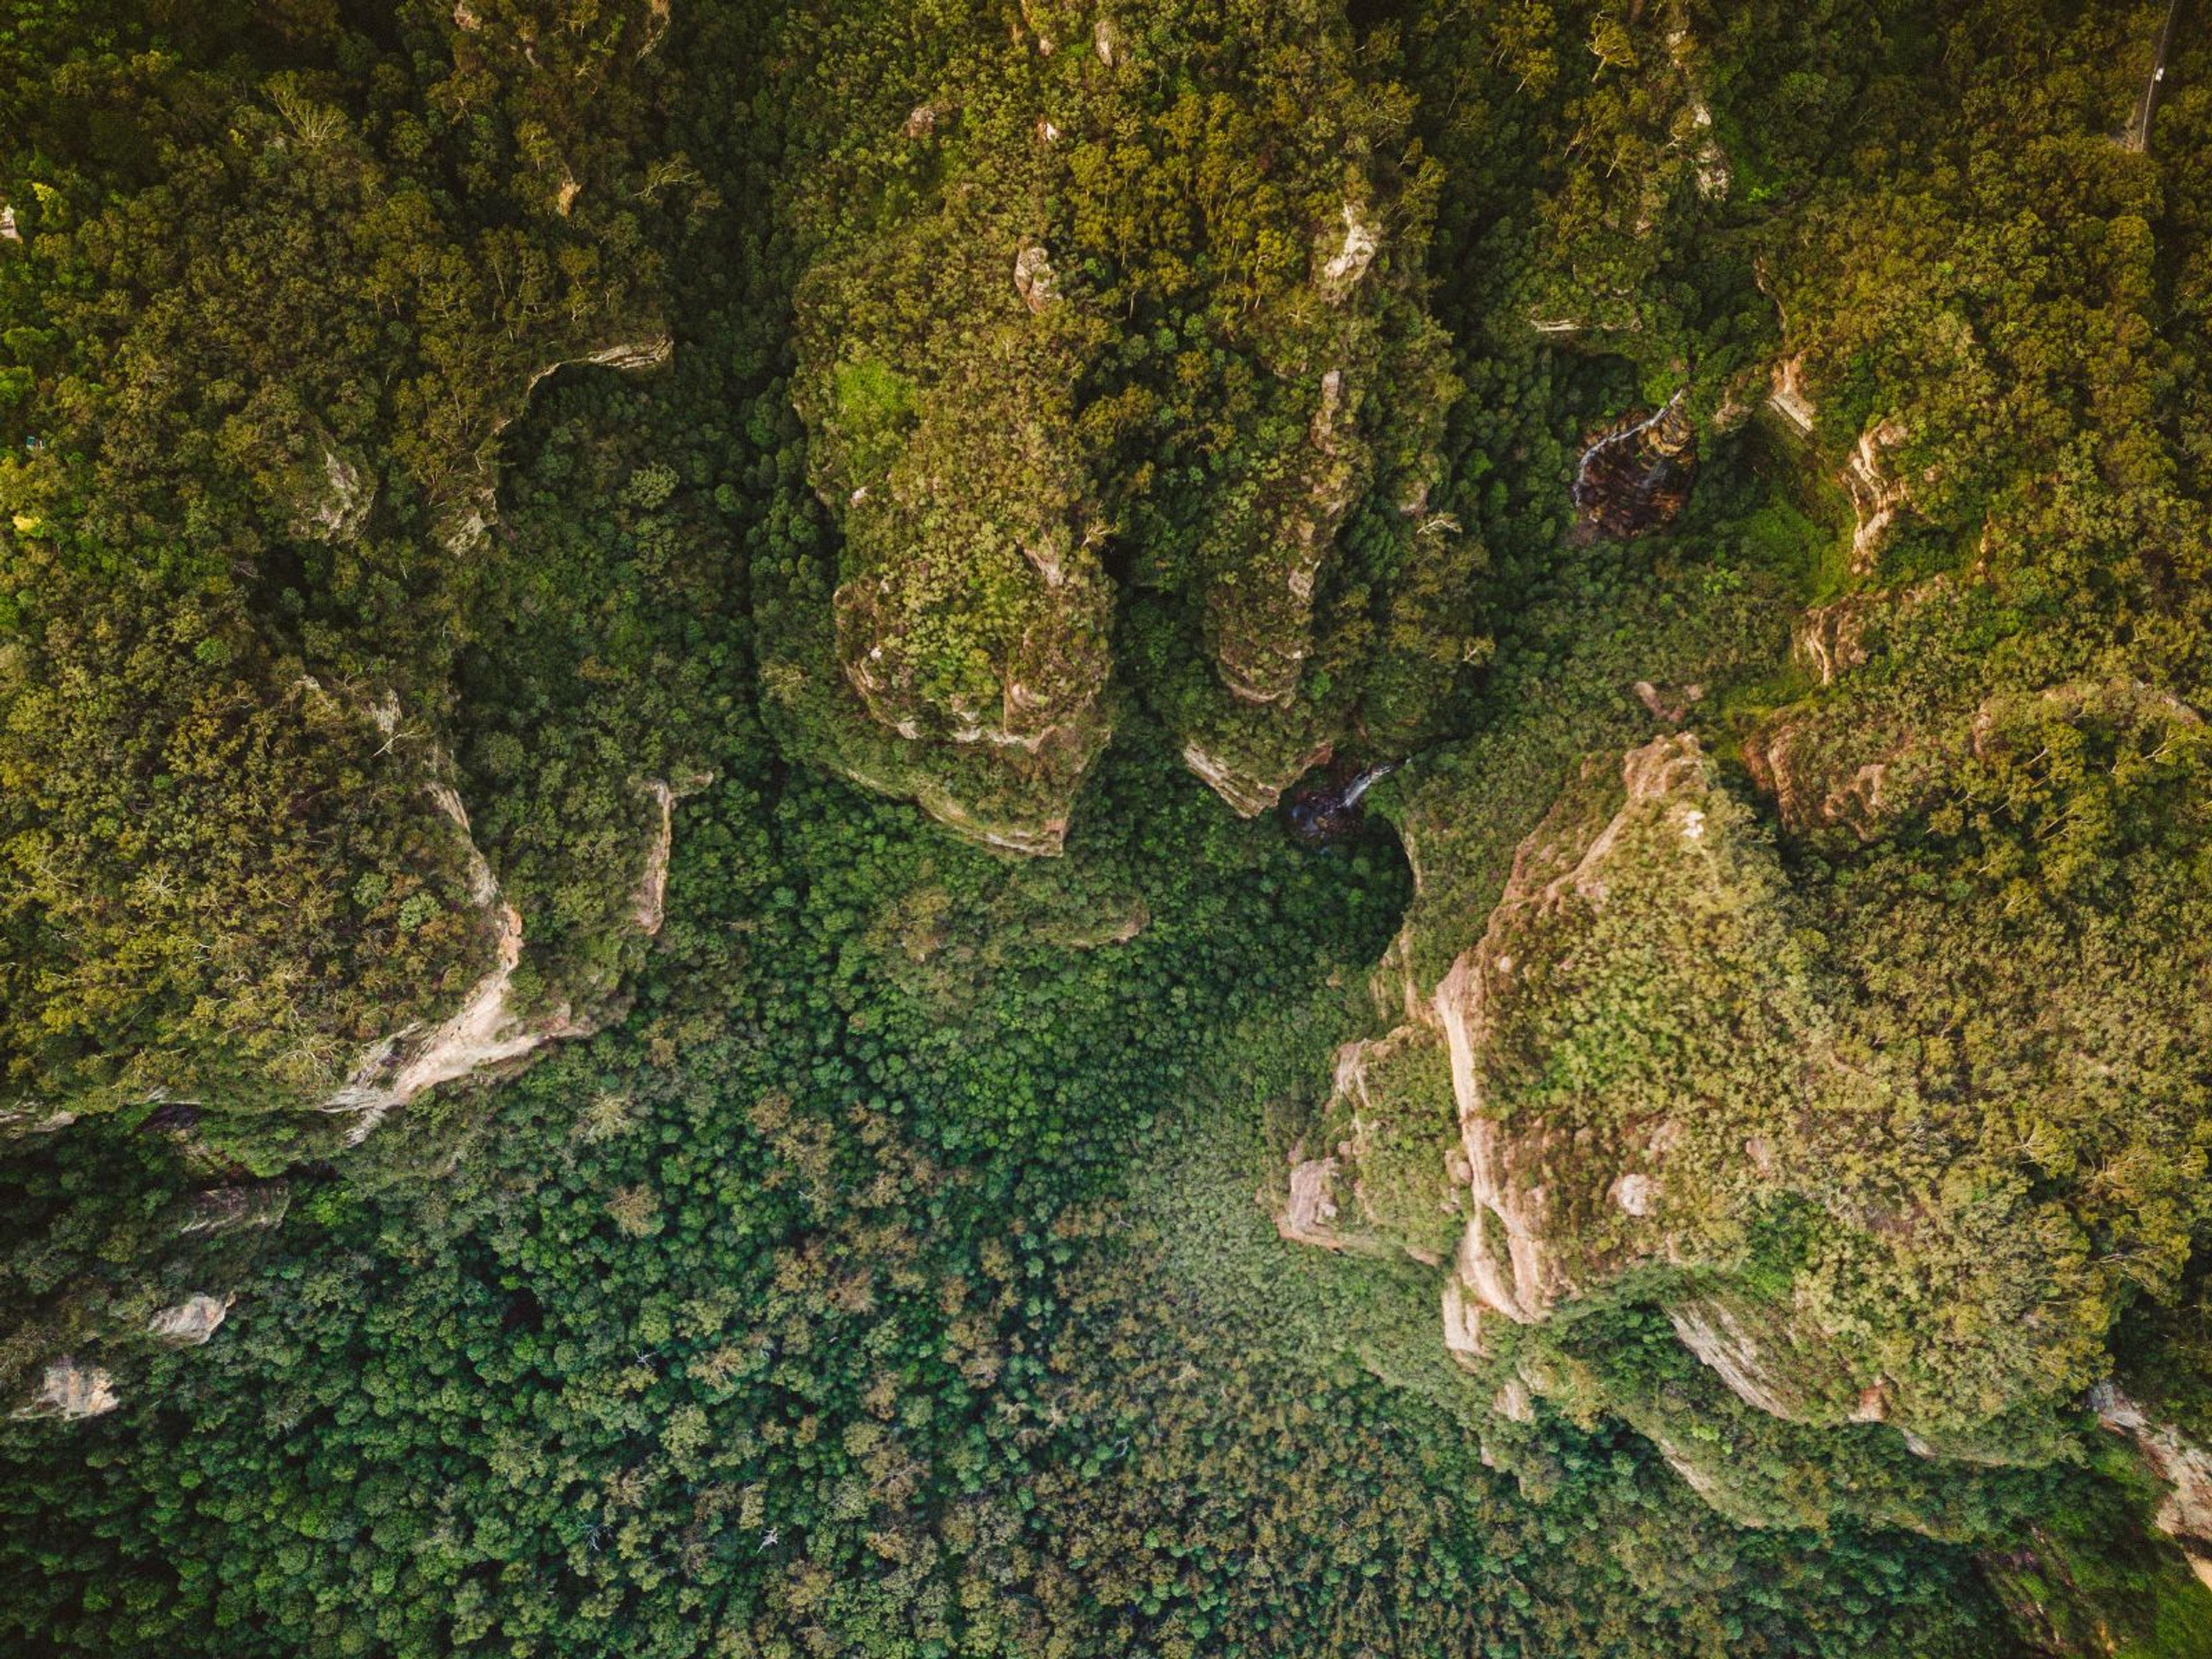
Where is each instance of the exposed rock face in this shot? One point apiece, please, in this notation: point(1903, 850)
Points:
point(1305, 1218)
point(1807, 798)
point(487, 1031)
point(637, 356)
point(1249, 793)
point(1330, 810)
point(32, 1120)
point(192, 1322)
point(71, 1392)
point(1260, 622)
point(1877, 496)
point(649, 908)
point(1636, 474)
point(1831, 763)
point(1033, 278)
point(972, 614)
point(1763, 1355)
point(1671, 704)
point(1787, 395)
point(1864, 762)
point(1831, 638)
point(233, 1208)
point(1519, 1253)
point(1605, 1095)
point(481, 1035)
point(1349, 262)
point(2185, 1514)
point(969, 379)
point(1019, 833)
point(1361, 385)
point(335, 506)
point(463, 522)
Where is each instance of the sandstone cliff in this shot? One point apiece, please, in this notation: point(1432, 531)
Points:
point(1650, 1083)
point(1012, 383)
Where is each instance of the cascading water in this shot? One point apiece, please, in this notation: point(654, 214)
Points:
point(1636, 474)
point(1626, 435)
point(1331, 810)
point(1366, 780)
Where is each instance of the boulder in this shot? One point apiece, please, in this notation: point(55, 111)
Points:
point(192, 1322)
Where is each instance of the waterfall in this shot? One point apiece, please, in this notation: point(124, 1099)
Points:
point(1582, 469)
point(1366, 780)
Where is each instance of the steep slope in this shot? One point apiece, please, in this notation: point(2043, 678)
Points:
point(250, 486)
point(1816, 1085)
point(1131, 287)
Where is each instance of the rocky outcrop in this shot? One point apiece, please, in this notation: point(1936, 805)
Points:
point(2185, 1513)
point(488, 1032)
point(1251, 792)
point(1521, 1252)
point(964, 377)
point(1777, 1360)
point(640, 356)
point(234, 1208)
point(1788, 398)
point(335, 502)
point(1837, 763)
point(32, 1120)
point(649, 905)
point(192, 1322)
point(1330, 810)
point(1831, 638)
point(1617, 1087)
point(1033, 277)
point(1259, 617)
point(1877, 494)
point(1356, 368)
point(72, 1391)
point(1307, 1215)
point(1864, 760)
point(1044, 837)
point(1348, 263)
point(464, 519)
point(481, 1033)
point(971, 612)
point(1807, 791)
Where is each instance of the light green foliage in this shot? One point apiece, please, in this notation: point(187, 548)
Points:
point(272, 316)
point(1957, 1021)
point(1060, 302)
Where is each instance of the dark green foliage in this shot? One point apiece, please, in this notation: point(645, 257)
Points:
point(884, 1276)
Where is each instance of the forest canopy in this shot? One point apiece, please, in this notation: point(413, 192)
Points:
point(720, 718)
